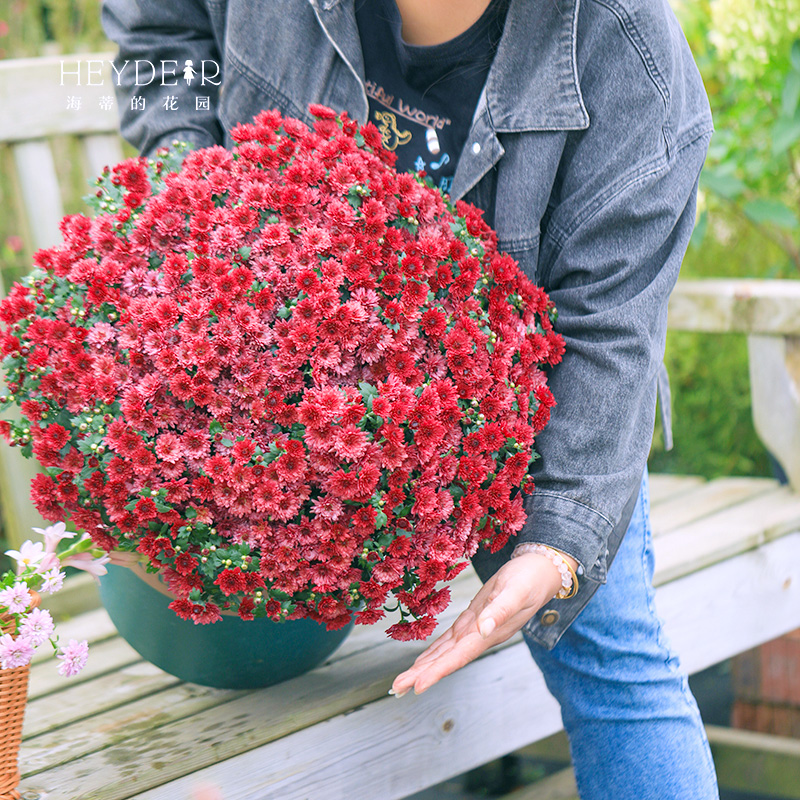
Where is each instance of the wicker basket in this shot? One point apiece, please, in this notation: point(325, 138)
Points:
point(13, 697)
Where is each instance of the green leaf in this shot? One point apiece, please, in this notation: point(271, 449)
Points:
point(380, 519)
point(785, 134)
point(790, 96)
point(725, 185)
point(226, 443)
point(795, 55)
point(771, 211)
point(699, 232)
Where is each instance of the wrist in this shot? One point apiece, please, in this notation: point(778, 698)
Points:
point(563, 567)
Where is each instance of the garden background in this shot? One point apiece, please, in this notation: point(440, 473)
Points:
point(748, 221)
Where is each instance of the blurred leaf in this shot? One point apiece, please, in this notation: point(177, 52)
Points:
point(771, 211)
point(785, 133)
point(700, 228)
point(791, 94)
point(728, 186)
point(796, 54)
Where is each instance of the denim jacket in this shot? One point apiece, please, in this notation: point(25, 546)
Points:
point(586, 145)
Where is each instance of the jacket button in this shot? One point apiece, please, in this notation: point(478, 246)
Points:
point(550, 617)
point(476, 147)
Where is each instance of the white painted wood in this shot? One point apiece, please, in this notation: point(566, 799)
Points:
point(93, 626)
point(662, 487)
point(724, 305)
point(111, 728)
point(99, 151)
point(706, 499)
point(495, 705)
point(734, 605)
point(104, 657)
point(558, 786)
point(41, 195)
point(122, 686)
point(775, 391)
point(38, 101)
point(78, 595)
point(734, 530)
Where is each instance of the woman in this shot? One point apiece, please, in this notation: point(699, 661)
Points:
point(580, 129)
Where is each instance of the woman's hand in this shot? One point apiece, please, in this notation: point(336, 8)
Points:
point(503, 605)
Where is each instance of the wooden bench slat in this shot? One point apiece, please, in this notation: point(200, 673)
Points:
point(104, 657)
point(99, 151)
point(734, 530)
point(706, 499)
point(41, 195)
point(125, 685)
point(113, 727)
point(727, 305)
point(31, 90)
point(94, 626)
point(497, 704)
point(663, 486)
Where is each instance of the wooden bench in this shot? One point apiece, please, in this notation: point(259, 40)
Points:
point(728, 576)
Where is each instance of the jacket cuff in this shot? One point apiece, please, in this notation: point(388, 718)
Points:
point(569, 526)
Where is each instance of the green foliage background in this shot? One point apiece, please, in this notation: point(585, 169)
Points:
point(748, 202)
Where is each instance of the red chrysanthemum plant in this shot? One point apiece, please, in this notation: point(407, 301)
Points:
point(293, 380)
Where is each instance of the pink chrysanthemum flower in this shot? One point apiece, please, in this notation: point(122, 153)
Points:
point(73, 657)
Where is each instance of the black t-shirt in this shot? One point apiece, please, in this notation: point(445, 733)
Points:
point(422, 99)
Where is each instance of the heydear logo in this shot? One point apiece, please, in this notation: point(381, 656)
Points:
point(90, 72)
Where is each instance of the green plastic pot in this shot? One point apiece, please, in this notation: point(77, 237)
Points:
point(229, 654)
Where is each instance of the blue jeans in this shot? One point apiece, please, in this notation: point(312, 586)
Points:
point(634, 728)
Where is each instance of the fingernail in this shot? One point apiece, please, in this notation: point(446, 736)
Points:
point(486, 627)
point(398, 694)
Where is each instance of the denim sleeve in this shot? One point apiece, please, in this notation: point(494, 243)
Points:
point(174, 31)
point(610, 275)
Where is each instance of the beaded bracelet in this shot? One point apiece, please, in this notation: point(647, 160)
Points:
point(569, 580)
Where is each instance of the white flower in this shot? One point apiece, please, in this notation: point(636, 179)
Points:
point(29, 553)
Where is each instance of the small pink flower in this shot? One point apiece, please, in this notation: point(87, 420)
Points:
point(37, 627)
point(15, 244)
point(52, 581)
point(16, 598)
point(73, 657)
point(14, 652)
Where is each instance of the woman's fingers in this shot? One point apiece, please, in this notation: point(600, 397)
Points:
point(500, 609)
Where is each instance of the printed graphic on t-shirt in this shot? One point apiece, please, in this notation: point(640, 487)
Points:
point(413, 130)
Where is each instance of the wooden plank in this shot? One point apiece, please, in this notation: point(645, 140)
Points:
point(756, 762)
point(110, 729)
point(78, 595)
point(93, 626)
point(42, 96)
point(558, 786)
point(734, 605)
point(291, 740)
point(662, 486)
point(707, 499)
point(775, 393)
point(118, 688)
point(99, 151)
point(738, 305)
point(104, 657)
point(734, 530)
point(41, 195)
